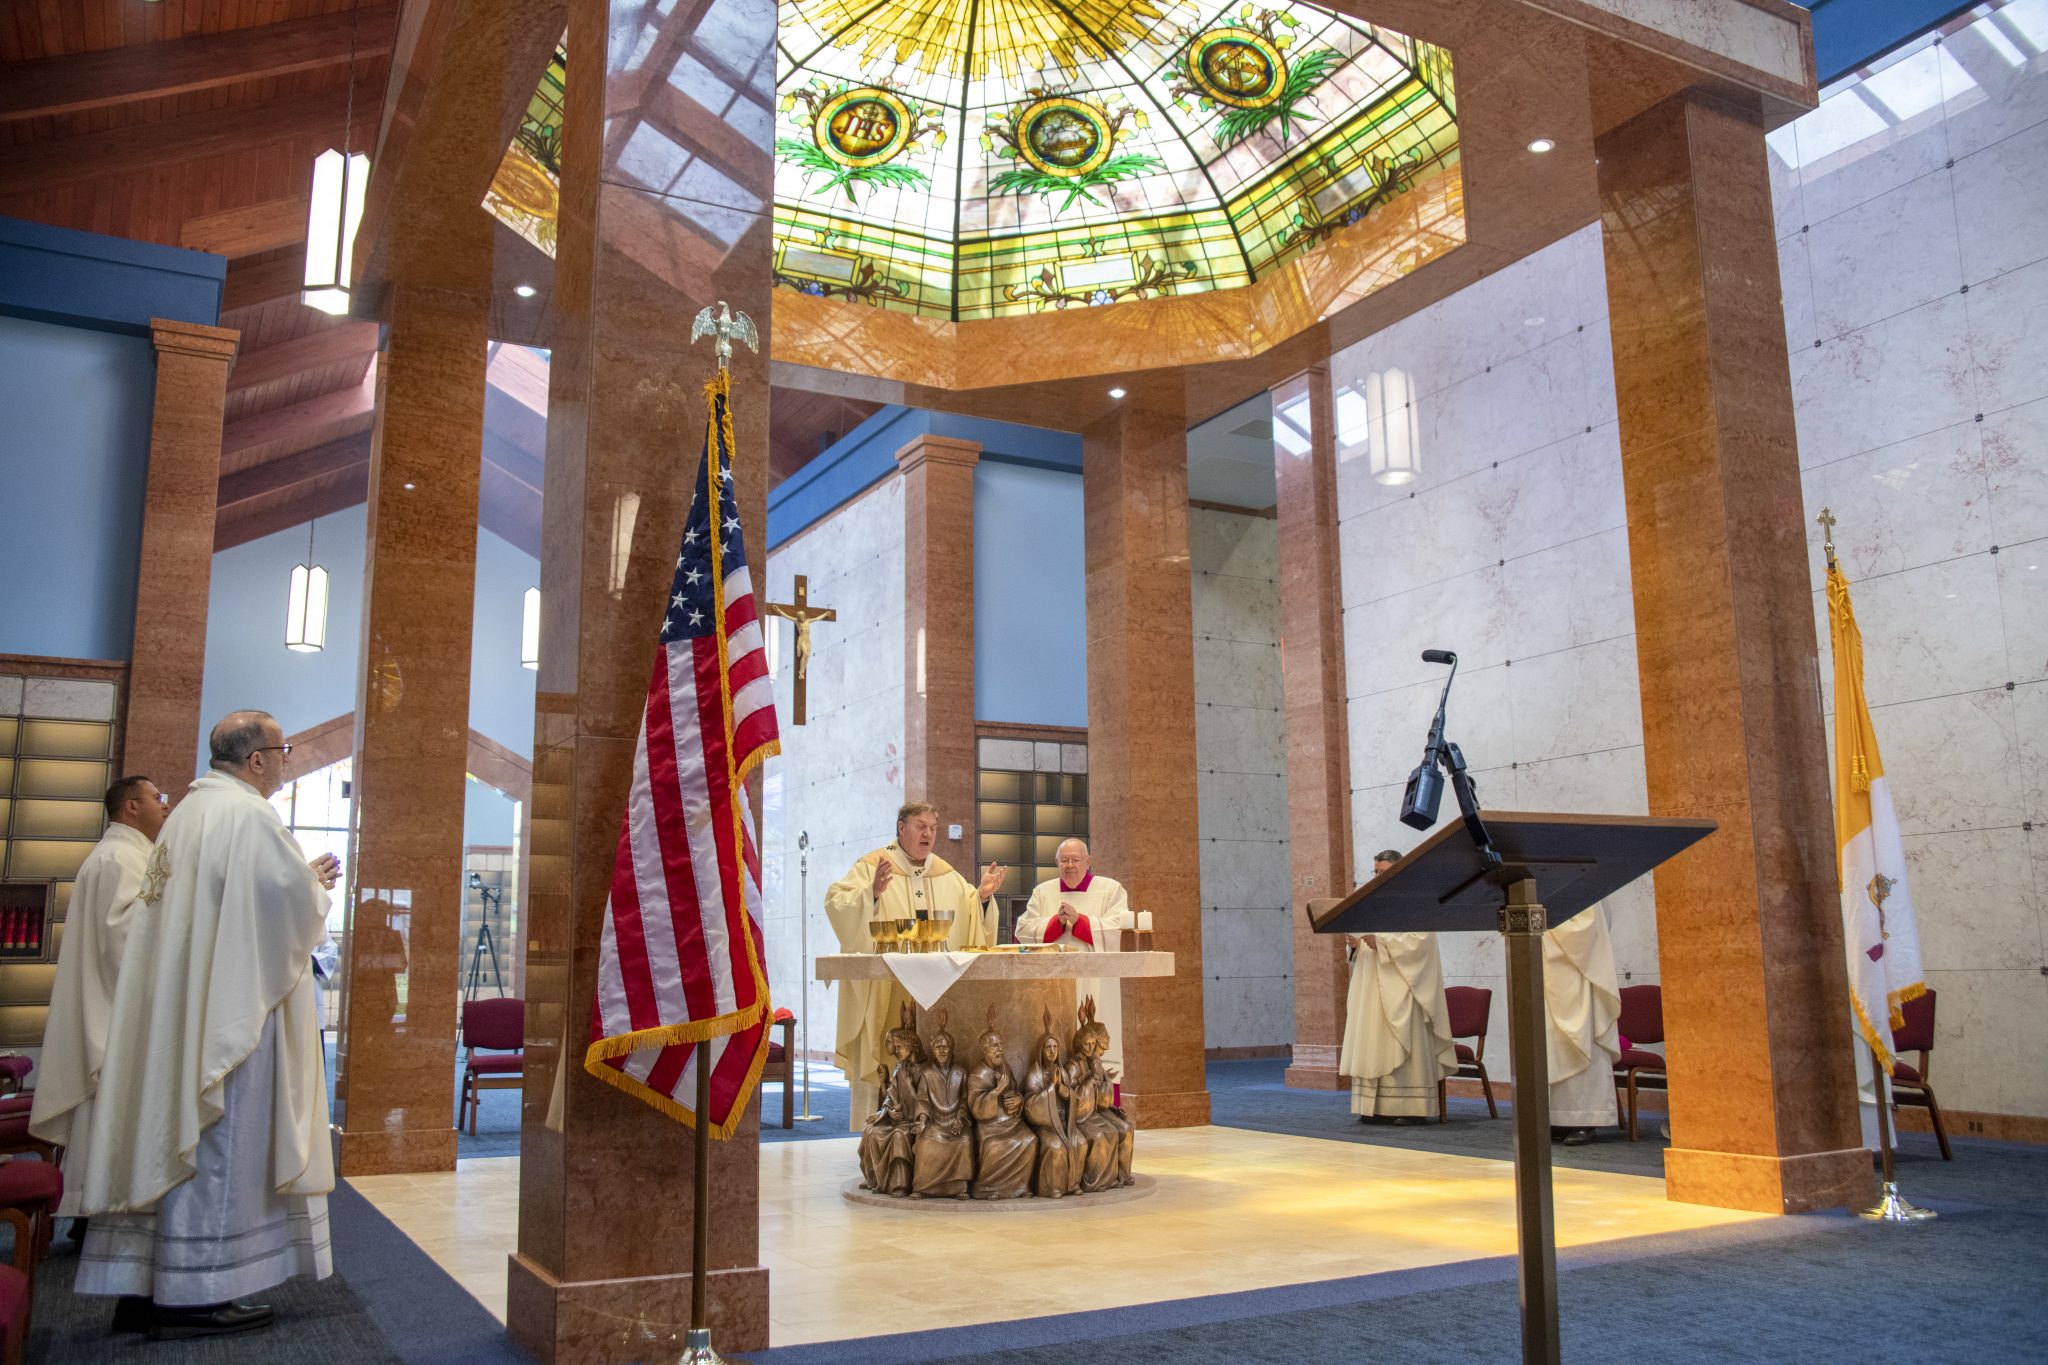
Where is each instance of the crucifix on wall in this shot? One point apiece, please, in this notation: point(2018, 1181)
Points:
point(803, 614)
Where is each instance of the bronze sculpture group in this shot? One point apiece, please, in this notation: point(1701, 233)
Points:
point(943, 1132)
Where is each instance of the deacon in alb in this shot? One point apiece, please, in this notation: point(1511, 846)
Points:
point(895, 882)
point(210, 1165)
point(1085, 911)
point(1397, 1030)
point(103, 901)
point(1582, 1007)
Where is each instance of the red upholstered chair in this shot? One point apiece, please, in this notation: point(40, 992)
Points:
point(783, 1054)
point(15, 1139)
point(1642, 1021)
point(29, 1194)
point(14, 1306)
point(1909, 1083)
point(499, 1028)
point(1469, 1008)
point(14, 1069)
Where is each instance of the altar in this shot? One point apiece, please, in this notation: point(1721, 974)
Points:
point(1017, 988)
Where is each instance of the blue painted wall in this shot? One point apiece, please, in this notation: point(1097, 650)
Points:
point(248, 665)
point(1030, 629)
point(83, 279)
point(74, 463)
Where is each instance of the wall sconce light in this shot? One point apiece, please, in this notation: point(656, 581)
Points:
point(305, 615)
point(1395, 446)
point(529, 630)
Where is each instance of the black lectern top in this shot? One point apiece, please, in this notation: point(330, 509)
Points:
point(1576, 861)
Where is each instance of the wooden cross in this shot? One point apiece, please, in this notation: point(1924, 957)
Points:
point(803, 614)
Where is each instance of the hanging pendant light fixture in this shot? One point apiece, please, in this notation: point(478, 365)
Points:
point(529, 630)
point(1392, 433)
point(305, 615)
point(339, 181)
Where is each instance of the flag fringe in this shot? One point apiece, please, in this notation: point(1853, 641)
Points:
point(668, 1035)
point(630, 1085)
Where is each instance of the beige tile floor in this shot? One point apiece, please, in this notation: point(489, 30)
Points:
point(1234, 1210)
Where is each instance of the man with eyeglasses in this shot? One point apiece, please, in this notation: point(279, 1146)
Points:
point(210, 1166)
point(103, 902)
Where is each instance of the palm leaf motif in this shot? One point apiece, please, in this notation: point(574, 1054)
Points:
point(806, 157)
point(1031, 180)
point(1304, 74)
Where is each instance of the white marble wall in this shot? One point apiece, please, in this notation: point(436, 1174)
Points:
point(1241, 764)
point(840, 776)
point(1915, 267)
point(1510, 548)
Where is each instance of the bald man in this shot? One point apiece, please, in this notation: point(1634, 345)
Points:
point(1083, 910)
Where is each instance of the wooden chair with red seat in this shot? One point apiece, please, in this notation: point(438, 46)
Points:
point(14, 1069)
point(1909, 1083)
point(499, 1028)
point(783, 1054)
point(1642, 1021)
point(29, 1194)
point(1469, 1007)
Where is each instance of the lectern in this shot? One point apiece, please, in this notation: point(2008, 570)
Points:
point(1540, 870)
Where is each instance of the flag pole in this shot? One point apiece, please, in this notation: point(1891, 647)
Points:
point(1891, 1206)
point(698, 1349)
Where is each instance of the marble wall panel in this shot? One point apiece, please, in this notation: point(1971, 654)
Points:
point(1924, 428)
point(1388, 728)
point(841, 774)
point(1576, 701)
point(1576, 593)
point(1241, 796)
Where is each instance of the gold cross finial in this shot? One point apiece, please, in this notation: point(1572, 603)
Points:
point(1827, 532)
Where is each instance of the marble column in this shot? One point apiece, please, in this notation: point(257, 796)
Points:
point(1312, 689)
point(606, 1210)
point(398, 1012)
point(1756, 1009)
point(161, 730)
point(1141, 730)
point(939, 756)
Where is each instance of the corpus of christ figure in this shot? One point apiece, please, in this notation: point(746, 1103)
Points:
point(803, 614)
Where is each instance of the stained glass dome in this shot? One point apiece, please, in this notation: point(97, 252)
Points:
point(970, 159)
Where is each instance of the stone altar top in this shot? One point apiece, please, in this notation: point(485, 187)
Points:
point(1037, 966)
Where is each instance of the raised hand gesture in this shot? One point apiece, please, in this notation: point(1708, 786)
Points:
point(885, 872)
point(992, 880)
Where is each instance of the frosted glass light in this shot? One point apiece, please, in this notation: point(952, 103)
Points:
point(529, 630)
point(305, 617)
point(1394, 444)
point(339, 183)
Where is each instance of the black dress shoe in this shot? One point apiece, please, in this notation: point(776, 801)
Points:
point(132, 1313)
point(1577, 1137)
point(208, 1320)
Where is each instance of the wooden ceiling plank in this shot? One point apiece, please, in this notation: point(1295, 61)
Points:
point(129, 151)
point(81, 81)
point(331, 346)
point(248, 230)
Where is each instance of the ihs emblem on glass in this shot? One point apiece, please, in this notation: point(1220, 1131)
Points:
point(855, 134)
point(1068, 145)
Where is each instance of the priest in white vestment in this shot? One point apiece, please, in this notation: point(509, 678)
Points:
point(894, 882)
point(1085, 911)
point(209, 1164)
point(103, 900)
point(1397, 1028)
point(1582, 1008)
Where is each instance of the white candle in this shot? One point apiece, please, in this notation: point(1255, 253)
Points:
point(1144, 921)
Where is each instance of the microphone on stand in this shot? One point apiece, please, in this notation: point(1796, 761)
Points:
point(1425, 794)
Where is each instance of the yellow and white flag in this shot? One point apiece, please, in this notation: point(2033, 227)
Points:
point(1877, 910)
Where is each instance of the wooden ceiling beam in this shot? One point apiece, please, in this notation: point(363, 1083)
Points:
point(80, 81)
point(282, 475)
point(322, 414)
point(259, 517)
point(331, 346)
point(248, 231)
point(29, 167)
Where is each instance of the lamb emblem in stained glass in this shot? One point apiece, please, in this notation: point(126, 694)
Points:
point(854, 136)
point(1242, 69)
point(1068, 146)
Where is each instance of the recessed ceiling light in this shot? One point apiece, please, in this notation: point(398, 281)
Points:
point(1532, 322)
point(1116, 393)
point(524, 291)
point(409, 487)
point(1541, 145)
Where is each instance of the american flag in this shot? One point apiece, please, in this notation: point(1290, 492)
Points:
point(680, 981)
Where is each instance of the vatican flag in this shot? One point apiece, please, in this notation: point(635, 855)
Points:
point(1877, 909)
